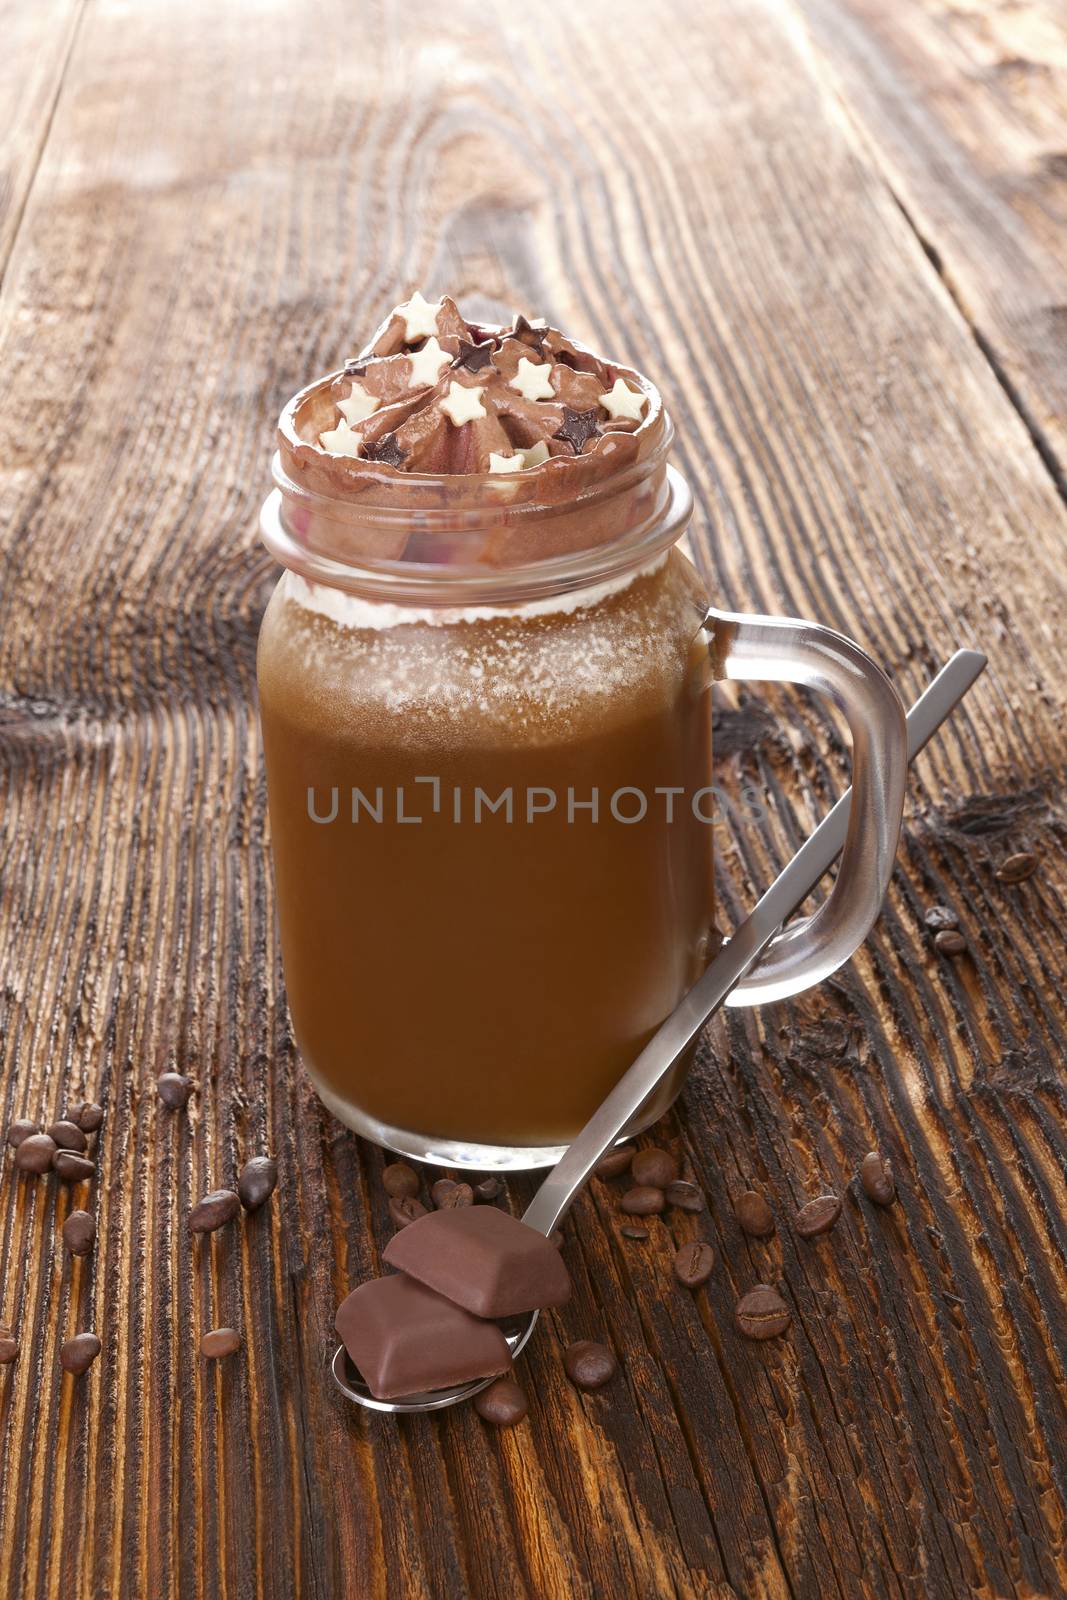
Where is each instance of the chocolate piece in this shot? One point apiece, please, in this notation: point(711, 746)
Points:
point(483, 1259)
point(257, 1182)
point(578, 428)
point(78, 1354)
point(79, 1233)
point(503, 1403)
point(220, 1342)
point(406, 1339)
point(386, 450)
point(473, 357)
point(216, 1208)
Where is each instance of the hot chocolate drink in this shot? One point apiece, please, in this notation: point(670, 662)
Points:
point(484, 688)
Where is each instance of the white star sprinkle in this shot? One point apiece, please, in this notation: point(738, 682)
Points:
point(426, 363)
point(513, 463)
point(623, 402)
point(462, 405)
point(420, 317)
point(536, 454)
point(340, 441)
point(532, 380)
point(359, 405)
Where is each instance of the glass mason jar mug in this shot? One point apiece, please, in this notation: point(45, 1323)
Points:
point(486, 716)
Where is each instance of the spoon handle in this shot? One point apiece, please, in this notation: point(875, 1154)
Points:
point(788, 890)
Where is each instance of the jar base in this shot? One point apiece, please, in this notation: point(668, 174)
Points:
point(461, 1154)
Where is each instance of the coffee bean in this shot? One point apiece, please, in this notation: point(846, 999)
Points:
point(9, 1349)
point(22, 1128)
point(174, 1090)
point(684, 1196)
point(72, 1168)
point(68, 1136)
point(79, 1233)
point(631, 1231)
point(1017, 868)
point(503, 1403)
point(762, 1313)
point(220, 1342)
point(460, 1195)
point(615, 1162)
point(441, 1188)
point(937, 917)
point(35, 1153)
point(78, 1354)
point(404, 1208)
point(643, 1201)
point(88, 1115)
point(654, 1168)
point(399, 1180)
point(949, 942)
point(693, 1264)
point(818, 1216)
point(754, 1214)
point(257, 1182)
point(589, 1365)
point(215, 1209)
point(876, 1178)
point(488, 1189)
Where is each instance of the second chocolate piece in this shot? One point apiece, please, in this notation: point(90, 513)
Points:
point(482, 1259)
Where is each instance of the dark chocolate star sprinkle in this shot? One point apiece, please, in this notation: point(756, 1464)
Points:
point(578, 426)
point(386, 450)
point(528, 333)
point(473, 356)
point(354, 368)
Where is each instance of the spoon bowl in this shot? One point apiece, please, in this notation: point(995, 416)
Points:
point(741, 950)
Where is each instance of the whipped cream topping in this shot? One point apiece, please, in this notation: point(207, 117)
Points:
point(434, 393)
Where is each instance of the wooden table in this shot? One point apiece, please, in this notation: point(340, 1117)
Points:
point(833, 231)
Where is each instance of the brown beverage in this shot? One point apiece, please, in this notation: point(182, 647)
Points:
point(484, 697)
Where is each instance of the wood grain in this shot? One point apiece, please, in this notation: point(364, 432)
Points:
point(222, 200)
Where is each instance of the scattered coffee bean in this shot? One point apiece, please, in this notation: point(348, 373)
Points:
point(9, 1349)
point(488, 1189)
point(654, 1168)
point(35, 1153)
point(404, 1208)
point(630, 1230)
point(88, 1116)
point(503, 1403)
point(79, 1233)
point(693, 1264)
point(556, 1238)
point(21, 1128)
point(1017, 868)
point(400, 1181)
point(220, 1342)
point(72, 1168)
point(950, 942)
point(257, 1182)
point(460, 1195)
point(440, 1189)
point(762, 1313)
point(68, 1136)
point(78, 1354)
point(754, 1215)
point(589, 1365)
point(876, 1178)
point(174, 1090)
point(216, 1208)
point(818, 1216)
point(643, 1201)
point(616, 1161)
point(937, 917)
point(684, 1196)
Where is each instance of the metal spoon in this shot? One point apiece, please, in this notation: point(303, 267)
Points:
point(553, 1198)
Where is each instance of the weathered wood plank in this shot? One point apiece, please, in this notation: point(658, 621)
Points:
point(217, 214)
point(37, 43)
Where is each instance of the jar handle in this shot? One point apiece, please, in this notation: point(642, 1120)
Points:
point(786, 650)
